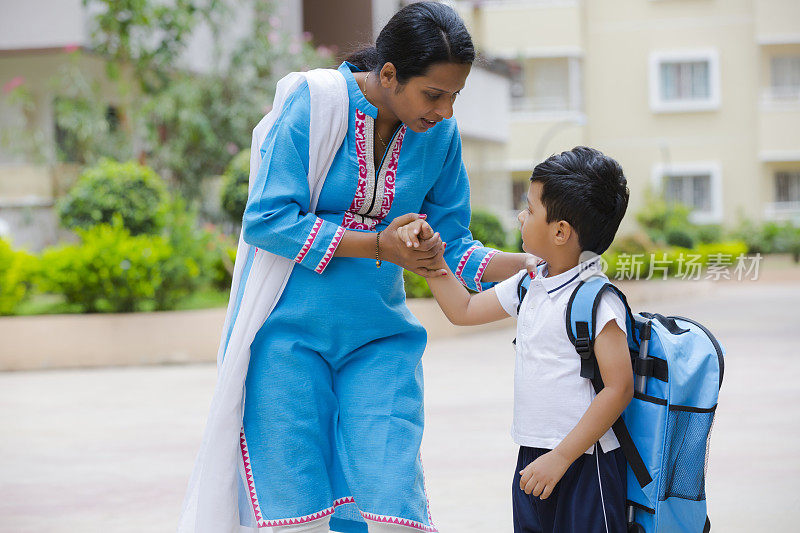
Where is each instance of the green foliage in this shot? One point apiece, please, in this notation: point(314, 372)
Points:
point(224, 260)
point(679, 237)
point(148, 35)
point(190, 263)
point(770, 238)
point(132, 191)
point(486, 227)
point(86, 131)
point(234, 186)
point(625, 260)
point(788, 241)
point(108, 271)
point(17, 269)
point(658, 218)
point(416, 286)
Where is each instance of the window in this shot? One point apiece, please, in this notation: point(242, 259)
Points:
point(785, 77)
point(787, 187)
point(682, 82)
point(546, 85)
point(695, 185)
point(693, 191)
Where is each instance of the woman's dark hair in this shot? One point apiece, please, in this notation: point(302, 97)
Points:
point(587, 189)
point(416, 37)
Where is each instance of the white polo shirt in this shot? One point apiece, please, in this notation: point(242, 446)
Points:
point(550, 396)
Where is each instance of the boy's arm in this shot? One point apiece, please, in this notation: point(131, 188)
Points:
point(461, 307)
point(613, 358)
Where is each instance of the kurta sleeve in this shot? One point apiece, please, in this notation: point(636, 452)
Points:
point(448, 210)
point(277, 217)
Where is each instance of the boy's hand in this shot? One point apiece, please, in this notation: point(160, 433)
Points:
point(541, 476)
point(415, 231)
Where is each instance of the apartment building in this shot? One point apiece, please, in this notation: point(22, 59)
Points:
point(37, 36)
point(699, 99)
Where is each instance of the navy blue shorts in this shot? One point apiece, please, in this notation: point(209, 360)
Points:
point(590, 498)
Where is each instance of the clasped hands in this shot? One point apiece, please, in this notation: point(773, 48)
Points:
point(410, 242)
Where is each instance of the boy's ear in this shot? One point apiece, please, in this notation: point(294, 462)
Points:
point(563, 232)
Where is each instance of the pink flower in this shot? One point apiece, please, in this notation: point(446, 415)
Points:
point(323, 50)
point(273, 37)
point(274, 21)
point(294, 48)
point(13, 84)
point(72, 48)
point(307, 36)
point(232, 148)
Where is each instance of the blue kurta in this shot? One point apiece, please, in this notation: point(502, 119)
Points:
point(333, 412)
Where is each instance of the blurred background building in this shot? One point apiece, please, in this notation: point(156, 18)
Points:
point(38, 36)
point(699, 100)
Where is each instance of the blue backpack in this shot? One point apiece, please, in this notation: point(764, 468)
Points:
point(665, 431)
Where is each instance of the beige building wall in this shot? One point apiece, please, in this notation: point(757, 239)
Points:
point(616, 64)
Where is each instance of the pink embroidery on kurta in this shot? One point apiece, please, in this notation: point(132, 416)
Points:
point(309, 241)
point(363, 174)
point(482, 267)
point(330, 251)
point(398, 521)
point(391, 174)
point(372, 201)
point(283, 521)
point(463, 262)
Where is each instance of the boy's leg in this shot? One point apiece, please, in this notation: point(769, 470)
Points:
point(590, 498)
point(524, 506)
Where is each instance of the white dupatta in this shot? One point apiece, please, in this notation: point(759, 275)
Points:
point(211, 502)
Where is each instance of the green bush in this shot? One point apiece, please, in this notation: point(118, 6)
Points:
point(679, 237)
point(16, 272)
point(233, 196)
point(659, 217)
point(224, 261)
point(486, 227)
point(788, 241)
point(637, 264)
point(108, 271)
point(134, 192)
point(416, 286)
point(190, 264)
point(708, 233)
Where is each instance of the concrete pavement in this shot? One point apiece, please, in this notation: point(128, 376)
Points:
point(111, 450)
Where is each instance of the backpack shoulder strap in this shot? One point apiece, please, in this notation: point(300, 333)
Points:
point(522, 289)
point(581, 316)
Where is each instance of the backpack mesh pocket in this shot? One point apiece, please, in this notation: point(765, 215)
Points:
point(688, 438)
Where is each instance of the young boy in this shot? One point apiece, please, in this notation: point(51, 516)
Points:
point(570, 474)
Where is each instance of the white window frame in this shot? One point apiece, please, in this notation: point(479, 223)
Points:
point(712, 168)
point(659, 105)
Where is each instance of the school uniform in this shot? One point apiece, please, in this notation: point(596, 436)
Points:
point(550, 397)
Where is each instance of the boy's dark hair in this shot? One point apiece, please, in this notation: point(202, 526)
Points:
point(418, 36)
point(588, 190)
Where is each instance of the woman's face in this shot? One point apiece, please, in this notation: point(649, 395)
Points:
point(425, 100)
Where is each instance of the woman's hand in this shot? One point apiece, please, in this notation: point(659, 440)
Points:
point(410, 242)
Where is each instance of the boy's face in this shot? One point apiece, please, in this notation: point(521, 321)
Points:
point(536, 232)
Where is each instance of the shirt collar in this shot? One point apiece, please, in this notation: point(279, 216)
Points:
point(579, 272)
point(354, 91)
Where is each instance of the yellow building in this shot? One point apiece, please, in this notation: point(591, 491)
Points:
point(699, 100)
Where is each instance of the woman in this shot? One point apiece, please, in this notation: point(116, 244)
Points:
point(333, 410)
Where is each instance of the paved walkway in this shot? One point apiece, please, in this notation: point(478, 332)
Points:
point(111, 450)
